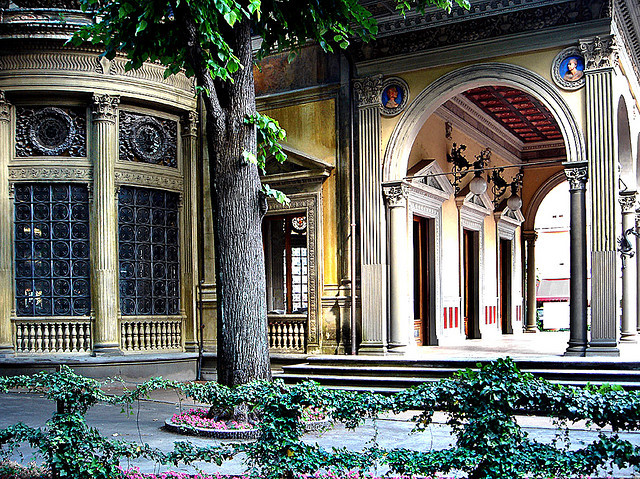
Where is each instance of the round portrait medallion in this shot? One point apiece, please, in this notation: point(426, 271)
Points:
point(567, 69)
point(395, 96)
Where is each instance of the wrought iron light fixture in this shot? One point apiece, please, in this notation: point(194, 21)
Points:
point(500, 185)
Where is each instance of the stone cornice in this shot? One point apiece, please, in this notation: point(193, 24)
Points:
point(477, 26)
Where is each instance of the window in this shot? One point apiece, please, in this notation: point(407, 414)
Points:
point(148, 250)
point(286, 263)
point(52, 250)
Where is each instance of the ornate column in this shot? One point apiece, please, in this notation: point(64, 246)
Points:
point(189, 234)
point(400, 330)
point(577, 174)
point(373, 276)
point(531, 325)
point(600, 56)
point(629, 322)
point(6, 264)
point(104, 151)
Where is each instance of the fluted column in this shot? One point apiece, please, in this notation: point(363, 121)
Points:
point(6, 296)
point(531, 325)
point(188, 232)
point(600, 56)
point(104, 151)
point(577, 174)
point(400, 320)
point(629, 322)
point(373, 270)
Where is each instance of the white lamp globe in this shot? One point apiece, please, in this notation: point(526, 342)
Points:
point(478, 185)
point(514, 202)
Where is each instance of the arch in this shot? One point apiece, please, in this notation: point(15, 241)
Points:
point(536, 200)
point(396, 156)
point(625, 152)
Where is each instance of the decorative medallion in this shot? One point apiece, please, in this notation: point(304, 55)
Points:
point(50, 132)
point(299, 223)
point(567, 69)
point(394, 96)
point(148, 139)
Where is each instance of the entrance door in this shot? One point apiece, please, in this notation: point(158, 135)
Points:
point(505, 286)
point(423, 280)
point(471, 245)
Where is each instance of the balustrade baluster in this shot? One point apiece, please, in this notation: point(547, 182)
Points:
point(147, 336)
point(32, 338)
point(81, 347)
point(74, 337)
point(134, 335)
point(154, 336)
point(67, 337)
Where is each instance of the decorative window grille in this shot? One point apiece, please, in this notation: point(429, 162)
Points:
point(148, 250)
point(52, 250)
point(286, 263)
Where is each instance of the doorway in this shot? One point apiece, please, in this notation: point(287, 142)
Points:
point(505, 286)
point(424, 281)
point(471, 248)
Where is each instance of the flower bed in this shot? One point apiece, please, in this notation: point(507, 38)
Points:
point(195, 421)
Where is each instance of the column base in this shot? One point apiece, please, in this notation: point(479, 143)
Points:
point(7, 350)
point(191, 347)
point(373, 349)
point(531, 329)
point(107, 349)
point(576, 350)
point(628, 338)
point(609, 351)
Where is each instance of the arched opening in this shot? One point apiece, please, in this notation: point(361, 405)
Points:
point(625, 153)
point(475, 287)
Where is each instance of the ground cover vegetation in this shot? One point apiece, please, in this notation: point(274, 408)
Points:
point(211, 40)
point(480, 404)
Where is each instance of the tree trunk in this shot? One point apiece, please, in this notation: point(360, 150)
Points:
point(236, 196)
point(243, 350)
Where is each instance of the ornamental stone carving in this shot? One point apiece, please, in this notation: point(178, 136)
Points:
point(395, 195)
point(148, 139)
point(599, 52)
point(5, 107)
point(367, 91)
point(577, 176)
point(51, 131)
point(627, 201)
point(104, 107)
point(190, 123)
point(49, 173)
point(148, 180)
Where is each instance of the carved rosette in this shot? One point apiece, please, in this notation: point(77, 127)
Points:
point(395, 195)
point(189, 123)
point(5, 107)
point(599, 53)
point(148, 139)
point(367, 91)
point(105, 107)
point(627, 201)
point(50, 131)
point(577, 176)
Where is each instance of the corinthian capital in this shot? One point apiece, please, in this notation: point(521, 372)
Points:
point(368, 90)
point(577, 174)
point(190, 123)
point(395, 194)
point(105, 107)
point(599, 52)
point(627, 201)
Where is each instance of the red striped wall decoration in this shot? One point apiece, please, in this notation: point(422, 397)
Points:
point(445, 319)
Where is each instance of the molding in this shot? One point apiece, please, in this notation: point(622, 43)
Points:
point(431, 181)
point(148, 180)
point(49, 173)
point(294, 97)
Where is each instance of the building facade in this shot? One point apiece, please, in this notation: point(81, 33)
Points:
point(417, 163)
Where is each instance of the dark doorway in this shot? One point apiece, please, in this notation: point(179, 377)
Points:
point(471, 240)
point(423, 281)
point(505, 286)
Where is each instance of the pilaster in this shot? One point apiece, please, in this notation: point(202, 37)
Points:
point(629, 322)
point(600, 55)
point(637, 225)
point(577, 174)
point(373, 274)
point(399, 332)
point(189, 249)
point(104, 151)
point(6, 292)
point(531, 325)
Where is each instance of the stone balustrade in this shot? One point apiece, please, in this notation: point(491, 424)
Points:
point(150, 334)
point(287, 335)
point(53, 336)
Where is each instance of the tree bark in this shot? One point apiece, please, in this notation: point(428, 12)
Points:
point(243, 350)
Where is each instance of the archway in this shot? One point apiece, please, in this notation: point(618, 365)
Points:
point(404, 134)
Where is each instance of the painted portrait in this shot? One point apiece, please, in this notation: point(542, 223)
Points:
point(392, 96)
point(572, 68)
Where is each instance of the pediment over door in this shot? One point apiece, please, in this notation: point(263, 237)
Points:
point(299, 166)
point(428, 177)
